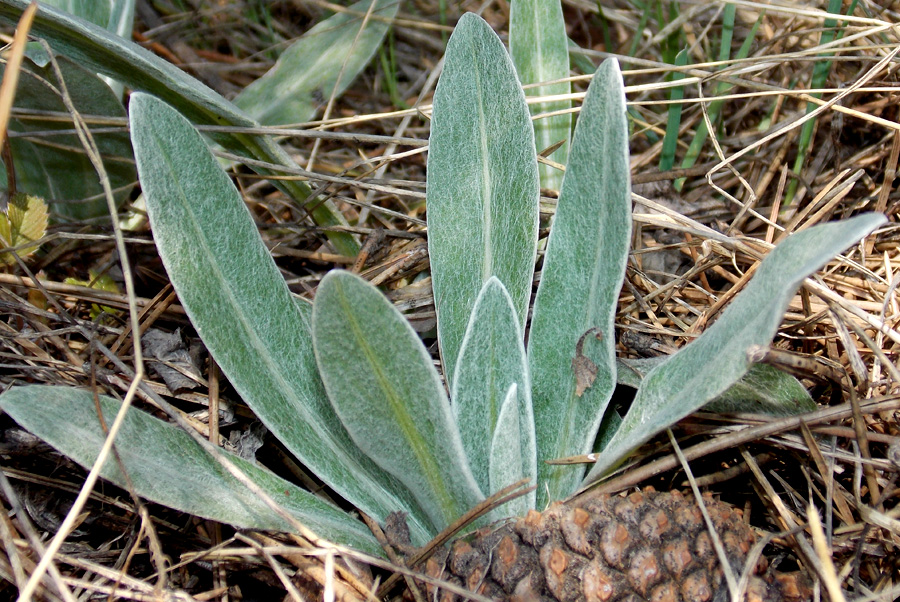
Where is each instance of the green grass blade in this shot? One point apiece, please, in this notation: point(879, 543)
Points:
point(491, 359)
point(240, 305)
point(385, 389)
point(96, 49)
point(728, 15)
point(639, 30)
point(167, 466)
point(604, 27)
point(819, 80)
point(583, 271)
point(540, 51)
point(672, 43)
point(390, 74)
point(715, 107)
point(673, 124)
point(482, 182)
point(717, 359)
point(319, 65)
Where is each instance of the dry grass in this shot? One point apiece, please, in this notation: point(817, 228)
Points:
point(693, 251)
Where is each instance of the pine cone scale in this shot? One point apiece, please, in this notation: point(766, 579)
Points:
point(650, 546)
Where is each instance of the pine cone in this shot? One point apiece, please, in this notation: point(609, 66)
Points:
point(648, 546)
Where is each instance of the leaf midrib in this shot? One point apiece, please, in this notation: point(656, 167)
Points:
point(346, 459)
point(487, 267)
point(397, 408)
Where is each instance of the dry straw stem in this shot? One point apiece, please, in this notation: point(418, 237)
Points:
point(13, 66)
point(73, 517)
point(736, 594)
point(743, 433)
point(821, 546)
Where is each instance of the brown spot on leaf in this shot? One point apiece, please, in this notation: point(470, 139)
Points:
point(585, 369)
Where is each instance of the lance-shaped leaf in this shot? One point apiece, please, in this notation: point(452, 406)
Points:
point(117, 16)
point(383, 385)
point(539, 48)
point(491, 360)
point(241, 307)
point(97, 49)
point(506, 456)
point(717, 359)
point(763, 390)
point(322, 63)
point(55, 167)
point(167, 466)
point(482, 182)
point(573, 374)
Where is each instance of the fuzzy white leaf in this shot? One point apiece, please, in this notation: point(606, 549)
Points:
point(583, 271)
point(539, 48)
point(482, 183)
point(167, 466)
point(319, 65)
point(240, 305)
point(716, 360)
point(97, 49)
point(385, 389)
point(506, 456)
point(491, 359)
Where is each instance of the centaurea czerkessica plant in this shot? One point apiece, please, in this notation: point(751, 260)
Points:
point(348, 387)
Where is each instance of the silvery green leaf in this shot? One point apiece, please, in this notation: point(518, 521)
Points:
point(319, 65)
point(242, 309)
point(386, 391)
point(121, 23)
point(97, 12)
point(583, 271)
point(99, 50)
point(116, 16)
point(491, 359)
point(539, 48)
point(763, 390)
point(121, 17)
point(608, 427)
point(717, 359)
point(631, 371)
point(482, 182)
point(56, 167)
point(506, 466)
point(167, 466)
